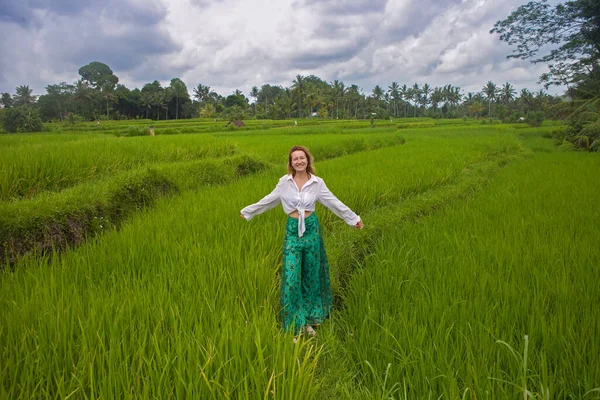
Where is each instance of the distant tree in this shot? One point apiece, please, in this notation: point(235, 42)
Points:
point(355, 97)
point(6, 100)
point(424, 99)
point(127, 101)
point(414, 94)
point(162, 98)
point(394, 92)
point(84, 99)
point(377, 93)
point(57, 102)
point(147, 100)
point(180, 93)
point(21, 119)
point(208, 111)
point(236, 99)
point(23, 96)
point(235, 112)
point(507, 93)
point(338, 91)
point(107, 92)
point(254, 94)
point(476, 108)
point(437, 96)
point(201, 93)
point(405, 93)
point(97, 75)
point(490, 90)
point(298, 89)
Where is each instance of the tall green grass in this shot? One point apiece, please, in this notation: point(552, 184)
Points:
point(495, 297)
point(40, 165)
point(182, 300)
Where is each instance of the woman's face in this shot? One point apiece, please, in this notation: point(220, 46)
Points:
point(299, 161)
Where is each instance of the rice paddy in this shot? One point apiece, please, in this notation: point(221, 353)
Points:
point(476, 275)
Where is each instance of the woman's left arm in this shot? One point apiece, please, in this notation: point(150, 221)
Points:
point(329, 200)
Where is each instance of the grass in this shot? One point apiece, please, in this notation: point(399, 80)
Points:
point(472, 241)
point(491, 297)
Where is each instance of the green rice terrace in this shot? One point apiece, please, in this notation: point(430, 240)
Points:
point(128, 273)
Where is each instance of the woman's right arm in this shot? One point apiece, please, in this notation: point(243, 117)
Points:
point(266, 203)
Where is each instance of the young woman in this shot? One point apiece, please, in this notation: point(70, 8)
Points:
point(305, 287)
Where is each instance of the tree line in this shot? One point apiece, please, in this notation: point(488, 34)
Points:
point(98, 95)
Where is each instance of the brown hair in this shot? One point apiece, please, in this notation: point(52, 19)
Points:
point(309, 157)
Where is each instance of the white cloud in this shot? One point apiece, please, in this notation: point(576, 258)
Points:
point(234, 44)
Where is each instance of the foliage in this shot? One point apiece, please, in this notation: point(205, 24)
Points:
point(573, 26)
point(6, 100)
point(208, 111)
point(98, 96)
point(21, 119)
point(535, 118)
point(97, 75)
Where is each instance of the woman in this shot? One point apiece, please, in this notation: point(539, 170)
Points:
point(305, 287)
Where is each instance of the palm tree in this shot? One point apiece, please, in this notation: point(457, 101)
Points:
point(508, 93)
point(338, 90)
point(414, 95)
point(254, 94)
point(354, 96)
point(179, 91)
point(208, 111)
point(162, 99)
point(437, 96)
point(377, 94)
point(201, 93)
point(298, 87)
point(394, 91)
point(108, 94)
point(425, 100)
point(23, 96)
point(491, 92)
point(405, 94)
point(147, 100)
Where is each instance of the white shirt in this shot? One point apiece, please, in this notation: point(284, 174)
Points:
point(293, 199)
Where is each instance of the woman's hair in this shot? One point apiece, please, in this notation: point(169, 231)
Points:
point(309, 157)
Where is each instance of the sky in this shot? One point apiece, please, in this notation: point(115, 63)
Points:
point(237, 44)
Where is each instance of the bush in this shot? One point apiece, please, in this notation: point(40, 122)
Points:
point(134, 131)
point(21, 119)
point(535, 118)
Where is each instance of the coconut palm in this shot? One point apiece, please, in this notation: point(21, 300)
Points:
point(415, 95)
point(394, 92)
point(377, 94)
point(508, 94)
point(23, 96)
point(338, 90)
point(254, 94)
point(490, 91)
point(437, 96)
point(298, 88)
point(208, 111)
point(201, 93)
point(424, 99)
point(405, 95)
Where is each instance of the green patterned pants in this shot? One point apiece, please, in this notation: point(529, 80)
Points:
point(305, 286)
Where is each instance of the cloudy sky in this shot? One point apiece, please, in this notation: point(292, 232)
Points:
point(237, 44)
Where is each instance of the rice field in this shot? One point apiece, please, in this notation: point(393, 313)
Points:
point(476, 275)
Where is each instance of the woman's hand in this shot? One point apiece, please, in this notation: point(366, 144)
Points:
point(359, 225)
point(242, 215)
